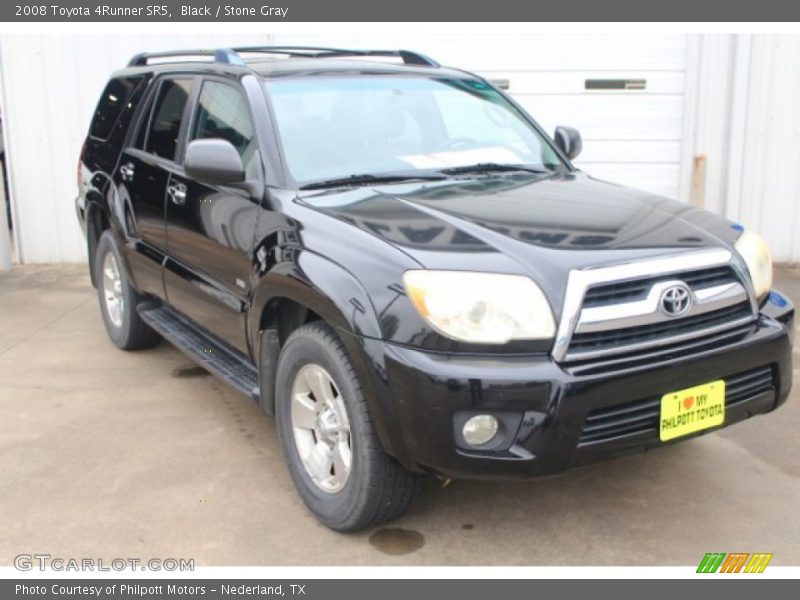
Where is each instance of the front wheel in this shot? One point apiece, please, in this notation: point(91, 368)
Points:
point(326, 433)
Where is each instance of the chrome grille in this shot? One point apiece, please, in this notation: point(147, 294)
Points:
point(624, 310)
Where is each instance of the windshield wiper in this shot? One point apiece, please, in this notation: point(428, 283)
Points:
point(371, 178)
point(489, 167)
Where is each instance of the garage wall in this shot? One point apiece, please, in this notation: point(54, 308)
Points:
point(51, 84)
point(747, 126)
point(767, 196)
point(631, 137)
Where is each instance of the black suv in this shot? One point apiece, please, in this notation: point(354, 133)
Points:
point(397, 262)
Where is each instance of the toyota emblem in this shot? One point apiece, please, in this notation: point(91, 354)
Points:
point(676, 300)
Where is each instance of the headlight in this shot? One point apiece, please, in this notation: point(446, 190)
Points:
point(484, 308)
point(755, 252)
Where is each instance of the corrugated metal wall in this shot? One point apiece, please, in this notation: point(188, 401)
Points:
point(769, 190)
point(728, 97)
point(51, 84)
point(746, 123)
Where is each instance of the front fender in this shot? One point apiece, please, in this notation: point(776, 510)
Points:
point(320, 285)
point(339, 298)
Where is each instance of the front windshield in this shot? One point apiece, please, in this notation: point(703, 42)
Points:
point(337, 127)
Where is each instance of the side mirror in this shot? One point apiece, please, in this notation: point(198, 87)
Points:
point(213, 161)
point(568, 139)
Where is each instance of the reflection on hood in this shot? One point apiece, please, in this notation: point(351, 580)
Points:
point(569, 211)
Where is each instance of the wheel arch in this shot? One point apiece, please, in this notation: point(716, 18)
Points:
point(97, 222)
point(315, 288)
point(311, 282)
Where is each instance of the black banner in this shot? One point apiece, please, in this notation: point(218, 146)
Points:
point(408, 10)
point(344, 589)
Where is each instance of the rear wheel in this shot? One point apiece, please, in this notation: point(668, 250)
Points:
point(326, 433)
point(118, 299)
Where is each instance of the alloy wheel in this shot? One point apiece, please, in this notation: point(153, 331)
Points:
point(112, 290)
point(321, 428)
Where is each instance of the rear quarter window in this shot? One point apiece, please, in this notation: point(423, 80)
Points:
point(112, 102)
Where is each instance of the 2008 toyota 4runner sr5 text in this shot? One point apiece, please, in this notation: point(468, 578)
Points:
point(397, 262)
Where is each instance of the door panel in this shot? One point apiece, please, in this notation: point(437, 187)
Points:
point(142, 178)
point(207, 275)
point(210, 228)
point(142, 186)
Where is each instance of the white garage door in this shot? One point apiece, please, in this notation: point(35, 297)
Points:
point(630, 136)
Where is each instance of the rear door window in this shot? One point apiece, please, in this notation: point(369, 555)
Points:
point(111, 104)
point(167, 117)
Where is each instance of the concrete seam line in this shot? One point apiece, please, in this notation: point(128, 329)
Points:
point(43, 326)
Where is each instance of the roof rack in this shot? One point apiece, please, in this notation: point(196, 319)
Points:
point(220, 55)
point(409, 57)
point(230, 56)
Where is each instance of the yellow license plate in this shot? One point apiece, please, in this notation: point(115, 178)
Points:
point(691, 410)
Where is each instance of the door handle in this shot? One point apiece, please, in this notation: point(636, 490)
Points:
point(177, 194)
point(126, 172)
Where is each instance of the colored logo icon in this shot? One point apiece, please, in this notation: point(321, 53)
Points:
point(734, 562)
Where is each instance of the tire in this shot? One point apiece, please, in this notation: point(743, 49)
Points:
point(124, 326)
point(375, 488)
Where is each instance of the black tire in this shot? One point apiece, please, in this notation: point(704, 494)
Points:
point(129, 332)
point(378, 488)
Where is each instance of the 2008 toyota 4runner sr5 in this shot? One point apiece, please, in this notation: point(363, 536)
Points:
point(397, 262)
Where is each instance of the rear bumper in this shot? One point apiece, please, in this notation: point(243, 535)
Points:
point(543, 407)
point(80, 212)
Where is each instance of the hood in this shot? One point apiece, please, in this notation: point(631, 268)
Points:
point(539, 225)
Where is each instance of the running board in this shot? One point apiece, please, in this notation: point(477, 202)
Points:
point(226, 363)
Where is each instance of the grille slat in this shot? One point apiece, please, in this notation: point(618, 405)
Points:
point(585, 342)
point(601, 437)
point(608, 413)
point(621, 422)
point(741, 394)
point(738, 380)
point(668, 351)
point(636, 418)
point(629, 291)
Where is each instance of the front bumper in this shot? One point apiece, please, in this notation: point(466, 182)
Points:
point(544, 407)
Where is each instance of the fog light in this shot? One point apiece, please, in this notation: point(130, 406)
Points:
point(479, 430)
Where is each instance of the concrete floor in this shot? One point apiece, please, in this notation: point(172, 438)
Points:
point(109, 454)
